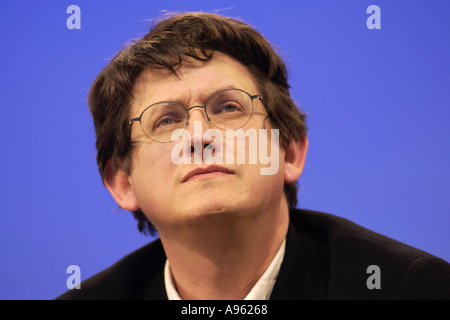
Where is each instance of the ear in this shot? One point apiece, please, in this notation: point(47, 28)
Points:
point(118, 183)
point(294, 159)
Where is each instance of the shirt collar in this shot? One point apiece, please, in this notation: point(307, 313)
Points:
point(260, 291)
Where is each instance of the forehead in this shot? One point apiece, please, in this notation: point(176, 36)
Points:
point(195, 80)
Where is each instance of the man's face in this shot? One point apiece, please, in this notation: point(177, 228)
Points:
point(162, 188)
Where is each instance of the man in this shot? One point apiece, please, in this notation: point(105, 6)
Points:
point(179, 115)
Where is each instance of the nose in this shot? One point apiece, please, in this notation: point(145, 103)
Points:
point(197, 125)
point(197, 113)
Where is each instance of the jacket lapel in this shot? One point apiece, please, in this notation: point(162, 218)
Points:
point(303, 273)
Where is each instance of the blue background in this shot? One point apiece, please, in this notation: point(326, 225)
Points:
point(378, 104)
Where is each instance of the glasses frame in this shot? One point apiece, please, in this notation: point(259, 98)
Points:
point(252, 97)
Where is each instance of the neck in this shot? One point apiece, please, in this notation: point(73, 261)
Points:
point(223, 256)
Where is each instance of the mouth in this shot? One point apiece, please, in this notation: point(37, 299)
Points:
point(207, 172)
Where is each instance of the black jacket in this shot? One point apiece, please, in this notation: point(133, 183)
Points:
point(326, 257)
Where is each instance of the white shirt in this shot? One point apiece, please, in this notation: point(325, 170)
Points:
point(260, 291)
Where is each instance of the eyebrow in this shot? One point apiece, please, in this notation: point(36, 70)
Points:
point(204, 95)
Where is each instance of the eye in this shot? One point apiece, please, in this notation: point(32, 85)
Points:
point(167, 120)
point(226, 108)
point(229, 108)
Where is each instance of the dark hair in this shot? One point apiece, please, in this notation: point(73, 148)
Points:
point(170, 42)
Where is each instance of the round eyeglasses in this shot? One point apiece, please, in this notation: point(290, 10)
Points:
point(225, 109)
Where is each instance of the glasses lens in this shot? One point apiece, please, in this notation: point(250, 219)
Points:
point(161, 119)
point(229, 109)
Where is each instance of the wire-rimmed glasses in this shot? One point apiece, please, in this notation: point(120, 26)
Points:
point(225, 109)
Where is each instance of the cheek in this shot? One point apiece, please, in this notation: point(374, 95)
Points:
point(151, 170)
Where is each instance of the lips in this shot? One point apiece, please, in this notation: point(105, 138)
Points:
point(206, 170)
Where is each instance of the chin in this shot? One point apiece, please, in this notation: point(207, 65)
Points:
point(212, 208)
point(220, 210)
